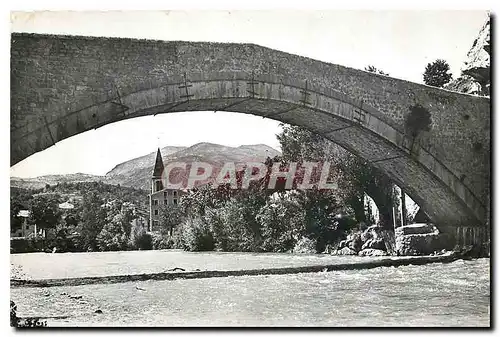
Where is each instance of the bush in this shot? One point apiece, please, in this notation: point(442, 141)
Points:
point(220, 230)
point(143, 241)
point(160, 241)
point(305, 246)
point(283, 222)
point(196, 235)
point(239, 230)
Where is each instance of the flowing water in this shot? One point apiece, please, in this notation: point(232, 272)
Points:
point(452, 294)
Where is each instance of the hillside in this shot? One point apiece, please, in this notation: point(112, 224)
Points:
point(139, 170)
point(40, 182)
point(136, 172)
point(142, 162)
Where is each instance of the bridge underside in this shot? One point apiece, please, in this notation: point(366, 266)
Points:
point(63, 86)
point(437, 199)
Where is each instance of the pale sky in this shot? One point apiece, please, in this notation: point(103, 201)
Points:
point(400, 43)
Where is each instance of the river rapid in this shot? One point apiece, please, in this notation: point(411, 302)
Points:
point(439, 294)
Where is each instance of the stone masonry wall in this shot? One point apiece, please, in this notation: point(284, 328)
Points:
point(52, 76)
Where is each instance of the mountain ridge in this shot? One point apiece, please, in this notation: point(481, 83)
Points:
point(136, 172)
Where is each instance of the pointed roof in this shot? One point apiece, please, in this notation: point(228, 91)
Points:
point(158, 169)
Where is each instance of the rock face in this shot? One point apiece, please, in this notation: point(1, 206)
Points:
point(475, 78)
point(372, 252)
point(417, 228)
point(418, 239)
point(373, 241)
point(344, 251)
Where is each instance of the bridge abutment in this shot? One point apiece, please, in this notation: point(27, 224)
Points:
point(463, 237)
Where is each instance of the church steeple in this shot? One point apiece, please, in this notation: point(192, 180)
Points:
point(158, 169)
point(156, 180)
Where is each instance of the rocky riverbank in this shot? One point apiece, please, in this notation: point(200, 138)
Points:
point(418, 239)
point(373, 241)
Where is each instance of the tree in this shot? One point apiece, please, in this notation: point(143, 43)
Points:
point(372, 69)
point(437, 73)
point(170, 217)
point(93, 220)
point(354, 175)
point(19, 199)
point(196, 235)
point(44, 211)
point(283, 221)
point(113, 236)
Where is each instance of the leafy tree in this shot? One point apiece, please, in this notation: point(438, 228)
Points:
point(437, 73)
point(139, 238)
point(283, 221)
point(296, 144)
point(237, 228)
point(170, 217)
point(72, 219)
point(196, 234)
point(93, 220)
point(19, 199)
point(354, 175)
point(322, 221)
point(113, 236)
point(44, 211)
point(373, 69)
point(143, 241)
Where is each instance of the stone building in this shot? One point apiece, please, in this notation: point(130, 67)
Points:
point(160, 196)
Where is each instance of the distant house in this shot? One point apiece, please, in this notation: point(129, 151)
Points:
point(160, 196)
point(26, 230)
point(66, 205)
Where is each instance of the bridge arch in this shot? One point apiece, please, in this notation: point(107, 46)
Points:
point(65, 85)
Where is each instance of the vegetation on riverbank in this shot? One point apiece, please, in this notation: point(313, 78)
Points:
point(101, 217)
point(283, 219)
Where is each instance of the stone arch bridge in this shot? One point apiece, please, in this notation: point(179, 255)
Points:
point(64, 85)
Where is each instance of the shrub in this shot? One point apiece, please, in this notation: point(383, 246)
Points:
point(160, 241)
point(305, 246)
point(196, 235)
point(283, 222)
point(143, 241)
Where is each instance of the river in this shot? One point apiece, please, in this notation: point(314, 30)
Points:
point(451, 294)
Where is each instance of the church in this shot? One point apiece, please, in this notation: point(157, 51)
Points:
point(160, 196)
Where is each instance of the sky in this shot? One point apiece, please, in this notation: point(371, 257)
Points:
point(400, 43)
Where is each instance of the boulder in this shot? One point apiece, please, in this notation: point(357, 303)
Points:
point(371, 232)
point(417, 228)
point(354, 242)
point(366, 235)
point(345, 251)
point(328, 249)
point(418, 244)
point(372, 252)
point(375, 243)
